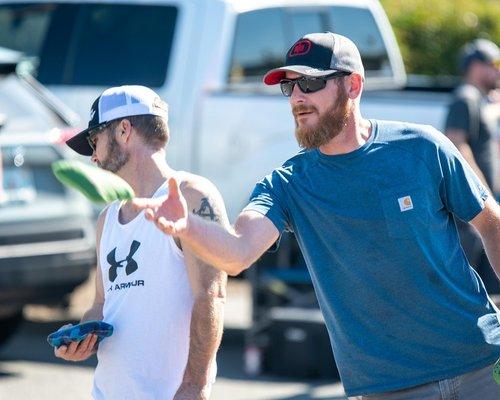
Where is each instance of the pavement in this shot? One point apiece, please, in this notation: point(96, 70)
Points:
point(29, 370)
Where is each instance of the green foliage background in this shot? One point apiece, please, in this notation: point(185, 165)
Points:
point(430, 33)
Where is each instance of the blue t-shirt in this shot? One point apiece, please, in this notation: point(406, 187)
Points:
point(401, 303)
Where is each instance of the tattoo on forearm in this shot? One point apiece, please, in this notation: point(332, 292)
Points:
point(206, 210)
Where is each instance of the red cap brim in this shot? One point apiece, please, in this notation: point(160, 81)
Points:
point(274, 76)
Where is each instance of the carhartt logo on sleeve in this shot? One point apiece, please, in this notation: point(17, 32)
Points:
point(405, 203)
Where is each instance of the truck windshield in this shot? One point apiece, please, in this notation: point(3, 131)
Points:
point(263, 37)
point(91, 44)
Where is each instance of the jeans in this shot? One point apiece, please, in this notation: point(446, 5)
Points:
point(475, 385)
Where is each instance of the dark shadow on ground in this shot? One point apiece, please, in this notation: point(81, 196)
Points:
point(30, 344)
point(6, 374)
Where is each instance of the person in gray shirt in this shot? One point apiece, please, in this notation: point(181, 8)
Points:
point(471, 125)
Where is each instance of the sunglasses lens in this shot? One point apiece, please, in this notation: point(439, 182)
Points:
point(90, 139)
point(287, 87)
point(306, 85)
point(311, 85)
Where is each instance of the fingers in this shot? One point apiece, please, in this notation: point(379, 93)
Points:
point(140, 203)
point(165, 226)
point(60, 351)
point(173, 187)
point(86, 345)
point(93, 344)
point(77, 351)
point(65, 352)
point(150, 214)
point(160, 222)
point(72, 348)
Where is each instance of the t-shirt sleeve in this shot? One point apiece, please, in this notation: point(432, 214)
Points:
point(461, 190)
point(458, 116)
point(268, 199)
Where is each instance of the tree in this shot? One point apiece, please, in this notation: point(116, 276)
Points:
point(431, 33)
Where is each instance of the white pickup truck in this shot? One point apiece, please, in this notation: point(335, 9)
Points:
point(206, 58)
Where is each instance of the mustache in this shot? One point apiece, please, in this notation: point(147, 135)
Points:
point(296, 110)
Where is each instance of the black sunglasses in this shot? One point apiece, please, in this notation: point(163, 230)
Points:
point(308, 84)
point(98, 129)
point(94, 132)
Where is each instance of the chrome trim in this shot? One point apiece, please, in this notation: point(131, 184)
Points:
point(44, 248)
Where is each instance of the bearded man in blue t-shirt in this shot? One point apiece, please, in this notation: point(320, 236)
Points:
point(371, 204)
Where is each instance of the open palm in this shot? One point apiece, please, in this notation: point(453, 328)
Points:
point(169, 212)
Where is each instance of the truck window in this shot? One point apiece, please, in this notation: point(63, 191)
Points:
point(262, 38)
point(91, 44)
point(359, 25)
point(302, 23)
point(258, 45)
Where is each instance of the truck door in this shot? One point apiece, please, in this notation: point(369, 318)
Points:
point(78, 49)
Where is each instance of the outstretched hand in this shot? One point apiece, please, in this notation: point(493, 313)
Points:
point(169, 213)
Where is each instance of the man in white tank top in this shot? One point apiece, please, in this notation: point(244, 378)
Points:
point(165, 304)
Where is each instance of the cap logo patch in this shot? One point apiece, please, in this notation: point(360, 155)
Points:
point(301, 48)
point(159, 103)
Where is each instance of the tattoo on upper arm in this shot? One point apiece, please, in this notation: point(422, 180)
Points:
point(206, 210)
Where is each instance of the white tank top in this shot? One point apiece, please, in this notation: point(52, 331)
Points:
point(148, 300)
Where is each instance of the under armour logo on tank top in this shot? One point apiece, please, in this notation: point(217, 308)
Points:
point(131, 265)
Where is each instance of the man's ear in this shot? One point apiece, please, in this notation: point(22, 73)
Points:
point(355, 85)
point(124, 130)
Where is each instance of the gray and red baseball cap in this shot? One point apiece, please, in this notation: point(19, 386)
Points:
point(319, 54)
point(115, 103)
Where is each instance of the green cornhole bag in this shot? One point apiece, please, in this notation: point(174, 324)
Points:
point(97, 185)
point(496, 372)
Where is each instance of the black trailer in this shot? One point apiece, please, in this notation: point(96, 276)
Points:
point(288, 336)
